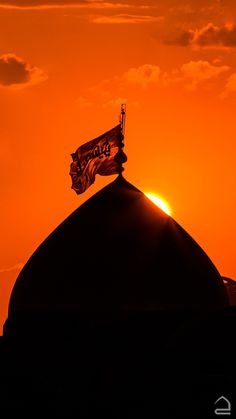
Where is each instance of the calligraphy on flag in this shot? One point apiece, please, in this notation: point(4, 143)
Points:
point(97, 157)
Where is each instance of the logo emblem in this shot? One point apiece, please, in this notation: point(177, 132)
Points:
point(224, 406)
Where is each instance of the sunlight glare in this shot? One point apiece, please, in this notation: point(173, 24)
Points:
point(160, 202)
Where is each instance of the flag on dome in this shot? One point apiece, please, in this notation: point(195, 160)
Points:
point(102, 155)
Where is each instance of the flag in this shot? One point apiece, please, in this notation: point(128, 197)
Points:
point(102, 155)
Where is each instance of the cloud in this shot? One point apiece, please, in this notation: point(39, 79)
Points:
point(208, 36)
point(16, 73)
point(127, 18)
point(183, 39)
point(144, 75)
point(59, 4)
point(110, 92)
point(212, 35)
point(194, 72)
point(16, 267)
point(148, 78)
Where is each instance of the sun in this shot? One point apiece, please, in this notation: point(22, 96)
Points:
point(160, 202)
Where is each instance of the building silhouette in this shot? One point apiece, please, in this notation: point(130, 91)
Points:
point(230, 285)
point(110, 310)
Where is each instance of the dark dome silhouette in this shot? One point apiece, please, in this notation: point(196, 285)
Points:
point(117, 252)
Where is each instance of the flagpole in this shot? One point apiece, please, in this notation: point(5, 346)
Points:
point(121, 157)
point(123, 115)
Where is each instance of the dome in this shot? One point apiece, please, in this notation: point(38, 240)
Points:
point(117, 252)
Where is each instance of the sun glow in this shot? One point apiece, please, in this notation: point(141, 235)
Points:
point(160, 202)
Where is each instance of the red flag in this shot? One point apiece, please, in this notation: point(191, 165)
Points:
point(102, 156)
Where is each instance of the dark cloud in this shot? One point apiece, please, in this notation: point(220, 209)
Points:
point(26, 3)
point(183, 39)
point(214, 35)
point(14, 72)
point(168, 5)
point(64, 4)
point(21, 4)
point(209, 35)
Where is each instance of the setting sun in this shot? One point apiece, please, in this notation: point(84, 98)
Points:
point(161, 203)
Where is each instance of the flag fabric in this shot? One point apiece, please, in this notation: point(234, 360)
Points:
point(102, 155)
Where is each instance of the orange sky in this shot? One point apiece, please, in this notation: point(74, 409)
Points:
point(65, 67)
